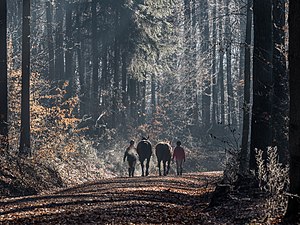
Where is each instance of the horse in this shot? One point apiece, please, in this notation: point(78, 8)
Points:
point(144, 150)
point(163, 153)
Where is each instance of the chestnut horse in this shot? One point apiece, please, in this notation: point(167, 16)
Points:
point(163, 153)
point(144, 150)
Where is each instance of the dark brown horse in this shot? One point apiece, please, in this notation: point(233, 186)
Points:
point(163, 154)
point(144, 150)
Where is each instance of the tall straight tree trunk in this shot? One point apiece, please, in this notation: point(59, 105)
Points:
point(95, 62)
point(124, 54)
point(16, 15)
point(50, 41)
point(104, 76)
point(3, 76)
point(221, 68)
point(116, 62)
point(104, 61)
point(228, 36)
point(116, 96)
point(124, 75)
point(59, 41)
point(243, 24)
point(34, 48)
point(69, 49)
point(206, 87)
point(194, 86)
point(188, 61)
point(80, 64)
point(293, 209)
point(25, 101)
point(142, 98)
point(125, 105)
point(213, 72)
point(261, 131)
point(280, 104)
point(153, 94)
point(87, 48)
point(132, 88)
point(139, 96)
point(244, 155)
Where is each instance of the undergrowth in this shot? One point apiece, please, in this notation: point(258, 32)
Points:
point(274, 180)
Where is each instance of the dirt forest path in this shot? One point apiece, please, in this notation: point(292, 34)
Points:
point(138, 200)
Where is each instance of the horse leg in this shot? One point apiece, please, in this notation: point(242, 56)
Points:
point(159, 167)
point(147, 166)
point(165, 172)
point(142, 166)
point(168, 167)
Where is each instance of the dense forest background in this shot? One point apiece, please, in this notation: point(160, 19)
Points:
point(105, 72)
point(80, 79)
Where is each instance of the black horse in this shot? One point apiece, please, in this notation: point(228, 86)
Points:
point(163, 153)
point(144, 150)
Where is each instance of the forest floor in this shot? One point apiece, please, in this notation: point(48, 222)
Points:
point(138, 200)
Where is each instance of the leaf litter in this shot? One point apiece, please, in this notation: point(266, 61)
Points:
point(121, 200)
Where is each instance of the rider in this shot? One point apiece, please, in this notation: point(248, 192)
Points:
point(131, 156)
point(179, 156)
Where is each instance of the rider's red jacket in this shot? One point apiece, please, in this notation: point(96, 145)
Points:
point(178, 153)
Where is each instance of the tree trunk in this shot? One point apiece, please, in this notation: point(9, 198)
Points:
point(116, 66)
point(213, 72)
point(25, 101)
point(104, 76)
point(206, 87)
point(69, 49)
point(221, 68)
point(244, 155)
point(188, 61)
point(124, 54)
point(124, 76)
point(95, 62)
point(153, 94)
point(3, 76)
point(232, 117)
point(261, 131)
point(16, 19)
point(34, 47)
point(142, 98)
point(124, 61)
point(80, 64)
point(194, 73)
point(104, 89)
point(50, 41)
point(132, 87)
point(243, 24)
point(59, 42)
point(280, 104)
point(293, 208)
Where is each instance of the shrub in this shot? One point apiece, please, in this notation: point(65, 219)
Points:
point(274, 179)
